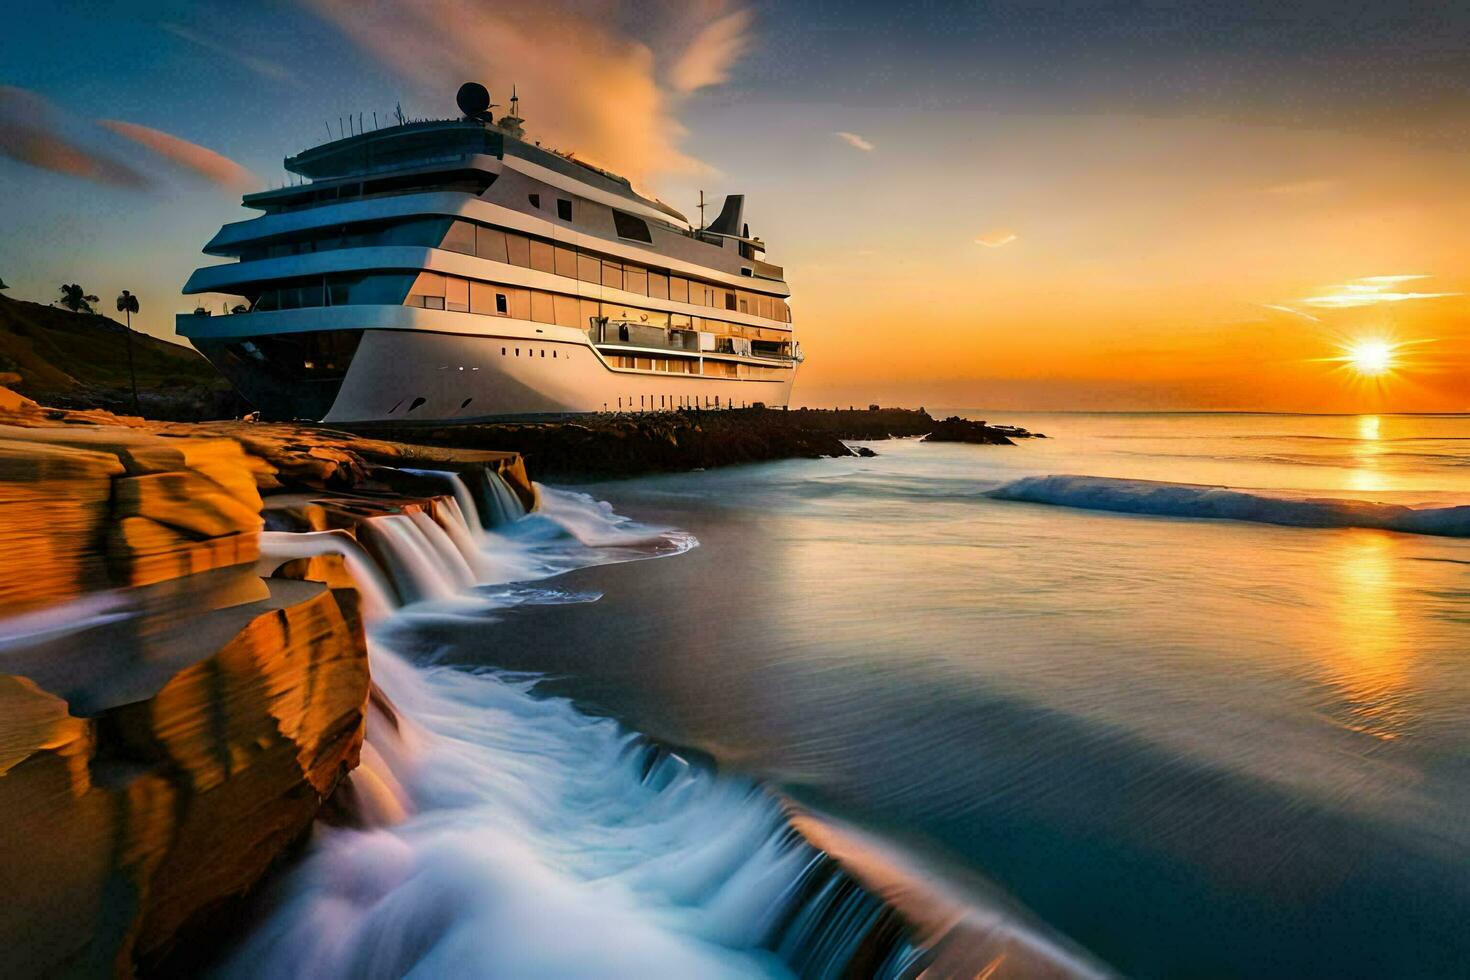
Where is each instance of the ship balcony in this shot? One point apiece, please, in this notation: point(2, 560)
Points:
point(614, 334)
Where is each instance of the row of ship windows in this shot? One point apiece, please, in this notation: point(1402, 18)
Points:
point(710, 368)
point(670, 365)
point(471, 238)
point(435, 291)
point(511, 248)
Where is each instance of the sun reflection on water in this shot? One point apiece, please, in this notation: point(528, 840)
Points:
point(1366, 456)
point(1371, 662)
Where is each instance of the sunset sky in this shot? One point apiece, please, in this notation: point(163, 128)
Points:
point(990, 205)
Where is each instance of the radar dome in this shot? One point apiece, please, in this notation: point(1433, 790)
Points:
point(473, 99)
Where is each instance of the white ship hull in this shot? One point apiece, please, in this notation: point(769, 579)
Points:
point(463, 377)
point(428, 367)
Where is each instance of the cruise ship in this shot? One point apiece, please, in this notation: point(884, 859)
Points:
point(456, 270)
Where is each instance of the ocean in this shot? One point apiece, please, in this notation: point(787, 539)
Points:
point(1159, 695)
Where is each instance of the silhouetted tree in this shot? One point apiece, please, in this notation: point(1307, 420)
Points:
point(77, 299)
point(127, 304)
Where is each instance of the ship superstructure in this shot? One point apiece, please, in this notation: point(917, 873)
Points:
point(455, 270)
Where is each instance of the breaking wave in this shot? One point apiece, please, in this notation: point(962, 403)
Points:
point(1222, 503)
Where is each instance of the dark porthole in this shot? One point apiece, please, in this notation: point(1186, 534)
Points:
point(416, 403)
point(466, 402)
point(543, 353)
point(502, 352)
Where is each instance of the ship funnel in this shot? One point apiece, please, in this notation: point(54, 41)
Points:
point(732, 216)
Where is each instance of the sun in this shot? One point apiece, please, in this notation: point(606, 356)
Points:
point(1371, 358)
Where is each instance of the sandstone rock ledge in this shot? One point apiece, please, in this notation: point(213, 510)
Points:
point(174, 713)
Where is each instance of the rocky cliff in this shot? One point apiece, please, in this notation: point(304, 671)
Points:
point(174, 711)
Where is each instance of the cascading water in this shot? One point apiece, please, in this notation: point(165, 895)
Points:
point(503, 834)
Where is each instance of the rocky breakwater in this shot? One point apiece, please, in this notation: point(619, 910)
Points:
point(600, 446)
point(175, 709)
point(956, 429)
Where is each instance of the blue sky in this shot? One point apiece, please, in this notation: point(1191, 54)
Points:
point(1098, 142)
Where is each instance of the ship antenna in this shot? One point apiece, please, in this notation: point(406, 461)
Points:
point(329, 128)
point(515, 102)
point(701, 210)
point(375, 120)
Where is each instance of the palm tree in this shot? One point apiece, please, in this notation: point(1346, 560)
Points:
point(127, 304)
point(76, 299)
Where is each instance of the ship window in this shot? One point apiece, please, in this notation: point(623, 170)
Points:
point(466, 402)
point(658, 285)
point(457, 294)
point(535, 200)
point(635, 280)
point(460, 238)
point(744, 306)
point(395, 406)
point(543, 353)
point(553, 355)
point(542, 309)
point(729, 301)
point(678, 289)
point(490, 244)
point(612, 274)
point(564, 209)
point(542, 257)
point(518, 249)
point(635, 229)
point(416, 403)
point(565, 263)
point(589, 269)
point(565, 310)
point(502, 352)
point(502, 304)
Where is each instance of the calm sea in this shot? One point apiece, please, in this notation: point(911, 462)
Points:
point(1187, 695)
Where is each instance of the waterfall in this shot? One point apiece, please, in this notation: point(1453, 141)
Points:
point(502, 504)
point(463, 499)
point(378, 597)
point(501, 833)
point(412, 562)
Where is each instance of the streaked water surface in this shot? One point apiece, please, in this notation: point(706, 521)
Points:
point(1195, 746)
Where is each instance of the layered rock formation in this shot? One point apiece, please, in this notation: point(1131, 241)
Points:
point(173, 712)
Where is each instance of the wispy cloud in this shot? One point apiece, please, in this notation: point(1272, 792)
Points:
point(1286, 309)
point(261, 66)
point(997, 239)
point(855, 141)
point(1370, 291)
point(35, 133)
point(713, 52)
point(212, 166)
point(586, 84)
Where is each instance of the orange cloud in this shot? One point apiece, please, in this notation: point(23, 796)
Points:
point(855, 141)
point(30, 131)
point(208, 164)
point(585, 87)
point(997, 239)
point(713, 52)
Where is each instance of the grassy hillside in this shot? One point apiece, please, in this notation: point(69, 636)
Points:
point(79, 360)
